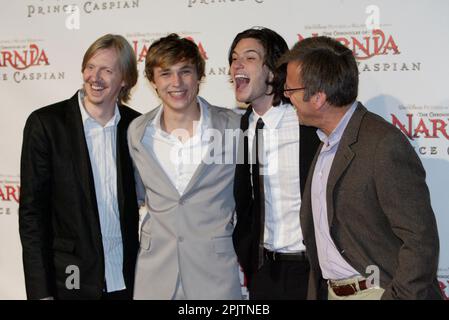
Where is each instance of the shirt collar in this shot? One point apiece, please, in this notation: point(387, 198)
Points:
point(335, 137)
point(85, 116)
point(202, 125)
point(272, 117)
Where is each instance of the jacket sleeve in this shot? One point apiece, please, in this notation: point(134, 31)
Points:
point(140, 188)
point(404, 198)
point(34, 209)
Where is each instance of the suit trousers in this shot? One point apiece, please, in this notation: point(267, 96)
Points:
point(280, 280)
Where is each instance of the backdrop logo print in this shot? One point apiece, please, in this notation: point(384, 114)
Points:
point(24, 59)
point(9, 195)
point(87, 7)
point(429, 125)
point(364, 45)
point(367, 45)
point(141, 47)
point(192, 3)
point(9, 192)
point(444, 286)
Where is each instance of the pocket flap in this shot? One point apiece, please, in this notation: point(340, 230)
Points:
point(145, 240)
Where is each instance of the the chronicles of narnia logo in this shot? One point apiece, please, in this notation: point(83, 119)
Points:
point(142, 41)
point(19, 60)
point(376, 50)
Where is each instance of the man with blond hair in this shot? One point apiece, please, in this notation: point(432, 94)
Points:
point(78, 213)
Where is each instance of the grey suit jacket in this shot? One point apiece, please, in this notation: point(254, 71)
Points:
point(189, 235)
point(379, 210)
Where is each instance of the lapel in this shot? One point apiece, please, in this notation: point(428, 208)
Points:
point(147, 157)
point(306, 214)
point(343, 157)
point(217, 124)
point(80, 153)
point(308, 144)
point(122, 159)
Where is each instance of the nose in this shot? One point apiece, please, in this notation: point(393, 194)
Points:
point(237, 63)
point(176, 79)
point(95, 74)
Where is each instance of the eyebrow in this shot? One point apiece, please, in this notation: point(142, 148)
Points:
point(248, 51)
point(187, 66)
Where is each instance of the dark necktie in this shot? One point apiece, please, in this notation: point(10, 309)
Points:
point(258, 186)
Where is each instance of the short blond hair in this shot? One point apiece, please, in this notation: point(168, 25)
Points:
point(127, 60)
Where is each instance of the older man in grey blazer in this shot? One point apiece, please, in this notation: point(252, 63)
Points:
point(366, 216)
point(179, 150)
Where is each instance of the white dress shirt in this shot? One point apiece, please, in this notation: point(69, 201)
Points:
point(178, 160)
point(282, 231)
point(101, 142)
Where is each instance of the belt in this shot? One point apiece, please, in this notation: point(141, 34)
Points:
point(348, 289)
point(282, 256)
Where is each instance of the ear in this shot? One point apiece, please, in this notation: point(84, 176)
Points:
point(270, 76)
point(319, 100)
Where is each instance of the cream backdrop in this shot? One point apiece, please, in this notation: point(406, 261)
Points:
point(403, 69)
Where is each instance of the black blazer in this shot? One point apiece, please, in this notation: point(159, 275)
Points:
point(246, 234)
point(58, 215)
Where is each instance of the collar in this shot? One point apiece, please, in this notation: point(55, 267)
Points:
point(335, 136)
point(203, 124)
point(272, 117)
point(85, 116)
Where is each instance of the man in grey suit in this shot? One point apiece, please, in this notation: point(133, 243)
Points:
point(187, 168)
point(366, 216)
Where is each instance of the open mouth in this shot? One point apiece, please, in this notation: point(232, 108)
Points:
point(179, 94)
point(96, 87)
point(241, 81)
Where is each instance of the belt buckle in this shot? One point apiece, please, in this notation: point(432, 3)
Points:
point(354, 287)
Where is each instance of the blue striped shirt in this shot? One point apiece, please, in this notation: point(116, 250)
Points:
point(101, 142)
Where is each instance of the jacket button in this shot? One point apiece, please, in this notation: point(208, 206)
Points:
point(180, 239)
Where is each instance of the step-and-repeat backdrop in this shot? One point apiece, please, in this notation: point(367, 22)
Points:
point(401, 47)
